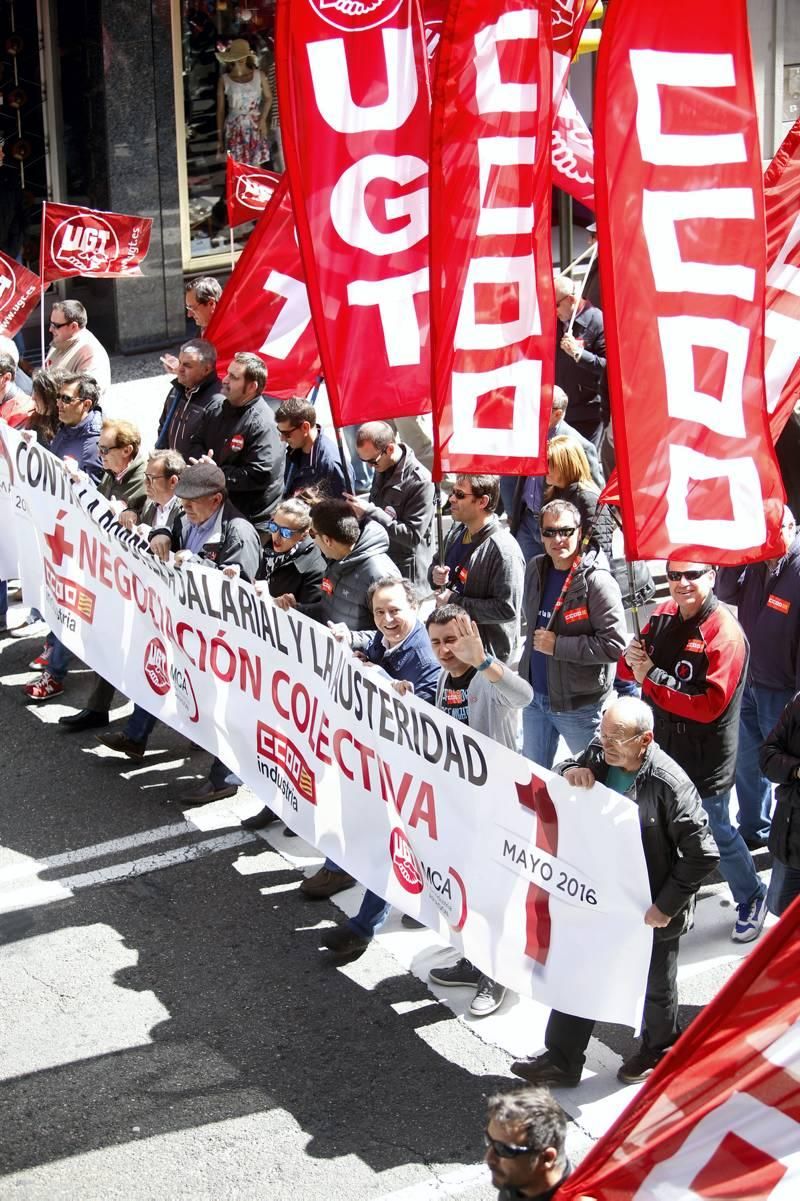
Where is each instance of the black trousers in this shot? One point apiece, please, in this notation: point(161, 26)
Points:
point(101, 697)
point(567, 1037)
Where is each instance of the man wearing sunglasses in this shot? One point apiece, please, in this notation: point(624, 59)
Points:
point(481, 566)
point(692, 665)
point(74, 348)
point(525, 1138)
point(312, 460)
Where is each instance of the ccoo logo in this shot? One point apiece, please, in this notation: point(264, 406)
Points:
point(155, 666)
point(89, 247)
point(354, 16)
point(404, 862)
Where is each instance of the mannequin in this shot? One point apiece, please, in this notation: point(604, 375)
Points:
point(244, 100)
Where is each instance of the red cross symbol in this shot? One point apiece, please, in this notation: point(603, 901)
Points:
point(534, 796)
point(57, 542)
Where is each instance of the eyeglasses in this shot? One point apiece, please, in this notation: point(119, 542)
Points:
point(106, 450)
point(605, 741)
point(459, 494)
point(63, 399)
point(506, 1150)
point(285, 531)
point(288, 433)
point(559, 531)
point(152, 478)
point(694, 574)
point(59, 324)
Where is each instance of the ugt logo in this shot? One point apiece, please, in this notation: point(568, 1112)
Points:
point(354, 16)
point(85, 243)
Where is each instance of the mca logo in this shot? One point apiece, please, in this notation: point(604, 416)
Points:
point(57, 543)
point(354, 16)
point(89, 247)
point(8, 285)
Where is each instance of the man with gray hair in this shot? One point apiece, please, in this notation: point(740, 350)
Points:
point(195, 387)
point(74, 349)
point(679, 853)
point(525, 1136)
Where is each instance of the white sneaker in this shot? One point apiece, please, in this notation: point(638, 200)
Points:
point(750, 921)
point(31, 627)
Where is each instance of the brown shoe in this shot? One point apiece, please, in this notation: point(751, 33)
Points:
point(118, 741)
point(205, 793)
point(325, 883)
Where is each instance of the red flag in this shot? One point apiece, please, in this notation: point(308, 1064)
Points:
point(264, 305)
point(354, 101)
point(19, 295)
point(82, 241)
point(433, 18)
point(682, 258)
point(492, 304)
point(572, 153)
point(782, 324)
point(569, 20)
point(247, 191)
point(720, 1116)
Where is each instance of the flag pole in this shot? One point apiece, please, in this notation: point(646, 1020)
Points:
point(233, 252)
point(579, 296)
point(41, 279)
point(348, 481)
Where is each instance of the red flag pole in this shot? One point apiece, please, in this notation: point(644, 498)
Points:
point(41, 280)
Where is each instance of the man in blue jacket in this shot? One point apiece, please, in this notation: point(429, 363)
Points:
point(768, 600)
point(312, 460)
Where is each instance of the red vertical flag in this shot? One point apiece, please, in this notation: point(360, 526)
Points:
point(354, 101)
point(720, 1116)
point(264, 306)
point(682, 257)
point(573, 153)
point(782, 326)
point(87, 242)
point(492, 300)
point(248, 191)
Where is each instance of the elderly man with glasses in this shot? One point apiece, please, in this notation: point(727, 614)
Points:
point(679, 852)
point(691, 663)
point(74, 348)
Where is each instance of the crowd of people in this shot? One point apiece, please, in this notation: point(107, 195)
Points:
point(523, 635)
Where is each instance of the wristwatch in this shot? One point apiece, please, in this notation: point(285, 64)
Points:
point(488, 661)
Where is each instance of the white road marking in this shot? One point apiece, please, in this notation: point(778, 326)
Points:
point(450, 1185)
point(29, 867)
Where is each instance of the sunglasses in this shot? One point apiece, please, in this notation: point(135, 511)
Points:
point(285, 531)
point(506, 1150)
point(694, 574)
point(372, 462)
point(59, 324)
point(459, 494)
point(63, 399)
point(287, 433)
point(559, 531)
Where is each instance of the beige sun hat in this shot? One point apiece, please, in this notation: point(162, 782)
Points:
point(237, 50)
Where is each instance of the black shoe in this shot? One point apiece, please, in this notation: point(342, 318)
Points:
point(542, 1070)
point(344, 940)
point(259, 821)
point(117, 741)
point(84, 719)
point(754, 843)
point(289, 832)
point(411, 923)
point(206, 793)
point(640, 1066)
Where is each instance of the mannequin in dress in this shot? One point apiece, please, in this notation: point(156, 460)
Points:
point(244, 100)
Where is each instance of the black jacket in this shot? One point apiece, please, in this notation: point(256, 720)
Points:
point(404, 505)
point(321, 468)
point(768, 608)
point(238, 543)
point(183, 412)
point(585, 381)
point(301, 575)
point(345, 584)
point(679, 849)
point(695, 689)
point(779, 759)
point(247, 447)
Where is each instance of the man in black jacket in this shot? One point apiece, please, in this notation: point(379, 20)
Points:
point(581, 360)
point(679, 852)
point(195, 386)
point(239, 433)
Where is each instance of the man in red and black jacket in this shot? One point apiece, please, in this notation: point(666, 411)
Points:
point(691, 664)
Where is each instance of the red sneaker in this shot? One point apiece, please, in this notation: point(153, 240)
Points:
point(42, 659)
point(44, 688)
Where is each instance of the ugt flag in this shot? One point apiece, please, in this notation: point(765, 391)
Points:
point(83, 241)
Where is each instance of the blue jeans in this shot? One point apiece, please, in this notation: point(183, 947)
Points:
point(735, 861)
point(3, 598)
point(360, 473)
point(529, 535)
point(59, 659)
point(139, 725)
point(784, 886)
point(542, 728)
point(508, 486)
point(371, 915)
point(761, 708)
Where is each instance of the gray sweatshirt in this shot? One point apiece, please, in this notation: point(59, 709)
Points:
point(493, 708)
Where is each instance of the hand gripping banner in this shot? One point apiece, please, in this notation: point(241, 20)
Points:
point(492, 304)
point(248, 191)
point(720, 1116)
point(264, 305)
point(19, 295)
point(82, 241)
point(682, 259)
point(782, 324)
point(355, 108)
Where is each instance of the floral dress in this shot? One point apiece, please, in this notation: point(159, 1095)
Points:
point(242, 138)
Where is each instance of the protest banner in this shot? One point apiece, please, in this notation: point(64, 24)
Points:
point(541, 885)
point(492, 300)
point(87, 242)
point(353, 85)
point(264, 306)
point(680, 222)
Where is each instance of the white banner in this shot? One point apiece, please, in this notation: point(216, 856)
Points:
point(542, 886)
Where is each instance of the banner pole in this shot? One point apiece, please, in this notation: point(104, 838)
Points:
point(634, 606)
point(233, 252)
point(348, 481)
point(578, 259)
point(41, 279)
point(41, 317)
point(579, 297)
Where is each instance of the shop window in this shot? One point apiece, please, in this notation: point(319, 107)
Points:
point(225, 92)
